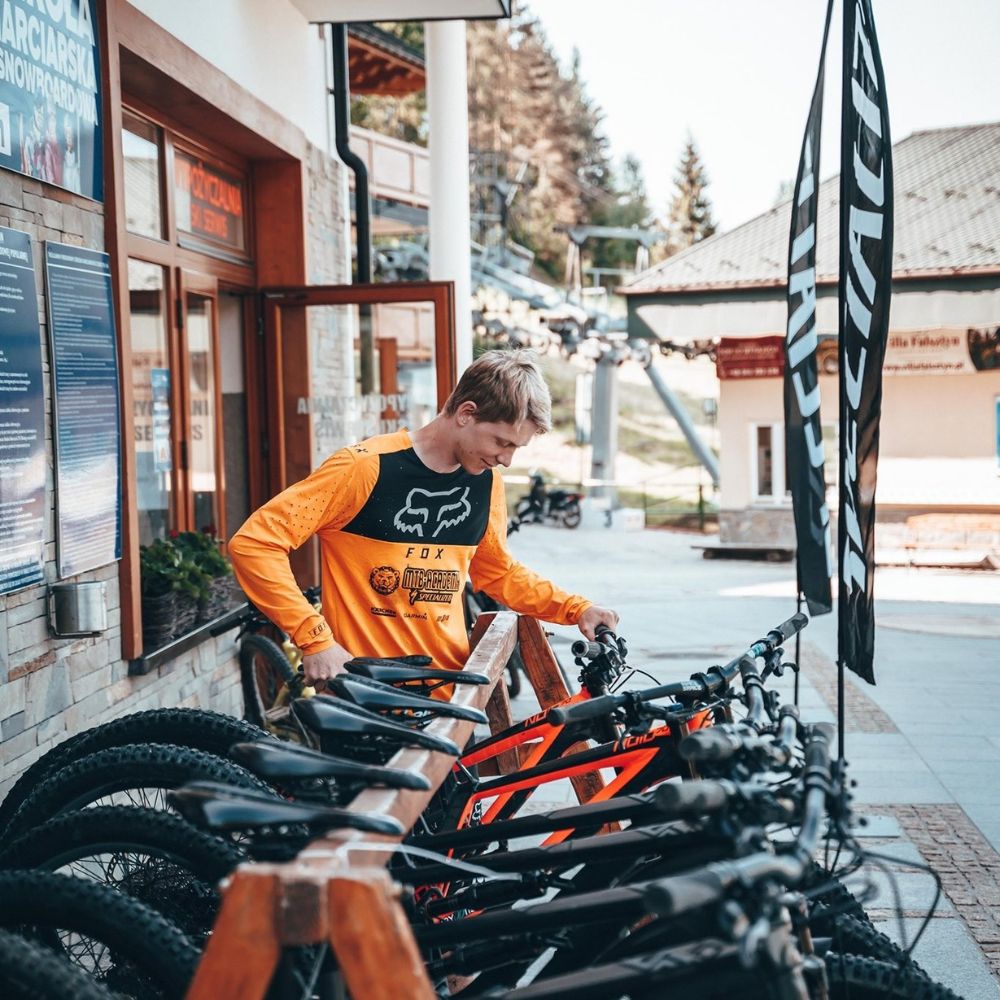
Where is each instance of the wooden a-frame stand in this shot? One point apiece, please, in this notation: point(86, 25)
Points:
point(338, 890)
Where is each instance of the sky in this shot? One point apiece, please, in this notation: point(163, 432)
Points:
point(738, 76)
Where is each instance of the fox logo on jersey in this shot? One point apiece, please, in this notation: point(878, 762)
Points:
point(427, 510)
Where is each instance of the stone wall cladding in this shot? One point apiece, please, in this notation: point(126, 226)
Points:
point(52, 688)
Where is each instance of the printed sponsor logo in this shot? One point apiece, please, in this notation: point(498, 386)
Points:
point(429, 512)
point(384, 612)
point(317, 630)
point(384, 580)
point(436, 586)
point(419, 615)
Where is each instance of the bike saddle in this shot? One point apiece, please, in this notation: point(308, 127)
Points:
point(376, 696)
point(399, 672)
point(215, 806)
point(336, 717)
point(291, 762)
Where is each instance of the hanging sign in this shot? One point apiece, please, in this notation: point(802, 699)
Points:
point(209, 203)
point(22, 419)
point(865, 292)
point(50, 99)
point(803, 431)
point(85, 408)
point(749, 357)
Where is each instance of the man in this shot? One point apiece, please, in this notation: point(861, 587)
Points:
point(402, 522)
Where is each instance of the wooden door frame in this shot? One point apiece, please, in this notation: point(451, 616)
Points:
point(440, 294)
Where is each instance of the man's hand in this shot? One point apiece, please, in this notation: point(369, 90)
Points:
point(320, 667)
point(595, 616)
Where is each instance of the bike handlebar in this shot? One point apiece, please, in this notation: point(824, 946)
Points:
point(693, 798)
point(787, 629)
point(699, 686)
point(590, 650)
point(680, 893)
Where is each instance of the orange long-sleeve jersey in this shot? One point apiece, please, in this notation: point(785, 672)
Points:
point(398, 542)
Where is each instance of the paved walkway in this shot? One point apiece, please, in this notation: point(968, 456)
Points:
point(923, 745)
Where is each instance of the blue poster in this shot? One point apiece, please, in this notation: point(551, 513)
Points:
point(160, 385)
point(22, 419)
point(50, 97)
point(86, 418)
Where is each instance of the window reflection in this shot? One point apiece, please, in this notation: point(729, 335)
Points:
point(150, 399)
point(201, 388)
point(141, 155)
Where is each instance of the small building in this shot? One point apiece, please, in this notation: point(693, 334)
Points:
point(940, 428)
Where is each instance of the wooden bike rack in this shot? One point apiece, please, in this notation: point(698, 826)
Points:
point(338, 890)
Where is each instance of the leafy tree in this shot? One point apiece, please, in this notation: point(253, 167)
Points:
point(690, 211)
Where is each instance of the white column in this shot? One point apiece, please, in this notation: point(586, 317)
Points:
point(448, 125)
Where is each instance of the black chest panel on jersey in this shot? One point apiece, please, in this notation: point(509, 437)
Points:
point(411, 503)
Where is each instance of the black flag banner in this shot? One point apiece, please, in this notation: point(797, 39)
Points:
point(865, 293)
point(803, 432)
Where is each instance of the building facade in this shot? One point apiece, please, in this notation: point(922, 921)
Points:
point(208, 176)
point(940, 426)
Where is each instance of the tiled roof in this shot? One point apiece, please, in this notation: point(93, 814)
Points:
point(947, 220)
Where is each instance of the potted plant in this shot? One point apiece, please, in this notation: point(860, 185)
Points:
point(159, 567)
point(203, 550)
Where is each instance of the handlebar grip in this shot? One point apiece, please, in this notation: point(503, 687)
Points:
point(791, 627)
point(592, 708)
point(692, 798)
point(710, 744)
point(680, 893)
point(584, 647)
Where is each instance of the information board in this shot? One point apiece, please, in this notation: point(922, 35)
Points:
point(85, 408)
point(22, 419)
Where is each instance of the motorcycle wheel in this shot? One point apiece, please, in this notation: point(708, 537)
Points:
point(571, 515)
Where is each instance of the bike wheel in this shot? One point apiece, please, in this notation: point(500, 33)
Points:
point(571, 516)
point(29, 971)
point(264, 670)
point(855, 977)
point(155, 857)
point(188, 727)
point(136, 774)
point(122, 943)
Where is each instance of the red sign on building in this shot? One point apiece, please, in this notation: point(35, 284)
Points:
point(209, 202)
point(750, 357)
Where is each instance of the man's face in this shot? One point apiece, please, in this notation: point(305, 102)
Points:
point(485, 445)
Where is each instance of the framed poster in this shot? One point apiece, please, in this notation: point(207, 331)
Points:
point(50, 94)
point(22, 419)
point(86, 423)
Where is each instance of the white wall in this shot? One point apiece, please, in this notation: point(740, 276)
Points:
point(937, 436)
point(265, 46)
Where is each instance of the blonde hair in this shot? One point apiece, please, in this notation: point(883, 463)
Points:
point(506, 386)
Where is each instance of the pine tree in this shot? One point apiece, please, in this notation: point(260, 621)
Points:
point(690, 211)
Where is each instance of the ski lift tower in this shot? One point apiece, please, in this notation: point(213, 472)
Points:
point(604, 418)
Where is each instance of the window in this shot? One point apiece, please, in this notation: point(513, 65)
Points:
point(187, 241)
point(142, 161)
point(767, 463)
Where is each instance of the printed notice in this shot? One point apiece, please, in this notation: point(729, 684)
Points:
point(22, 419)
point(85, 408)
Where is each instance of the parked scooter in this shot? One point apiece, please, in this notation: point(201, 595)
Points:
point(541, 505)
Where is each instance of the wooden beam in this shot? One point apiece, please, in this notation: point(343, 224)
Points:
point(546, 678)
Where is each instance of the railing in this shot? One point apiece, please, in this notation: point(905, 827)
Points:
point(337, 890)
